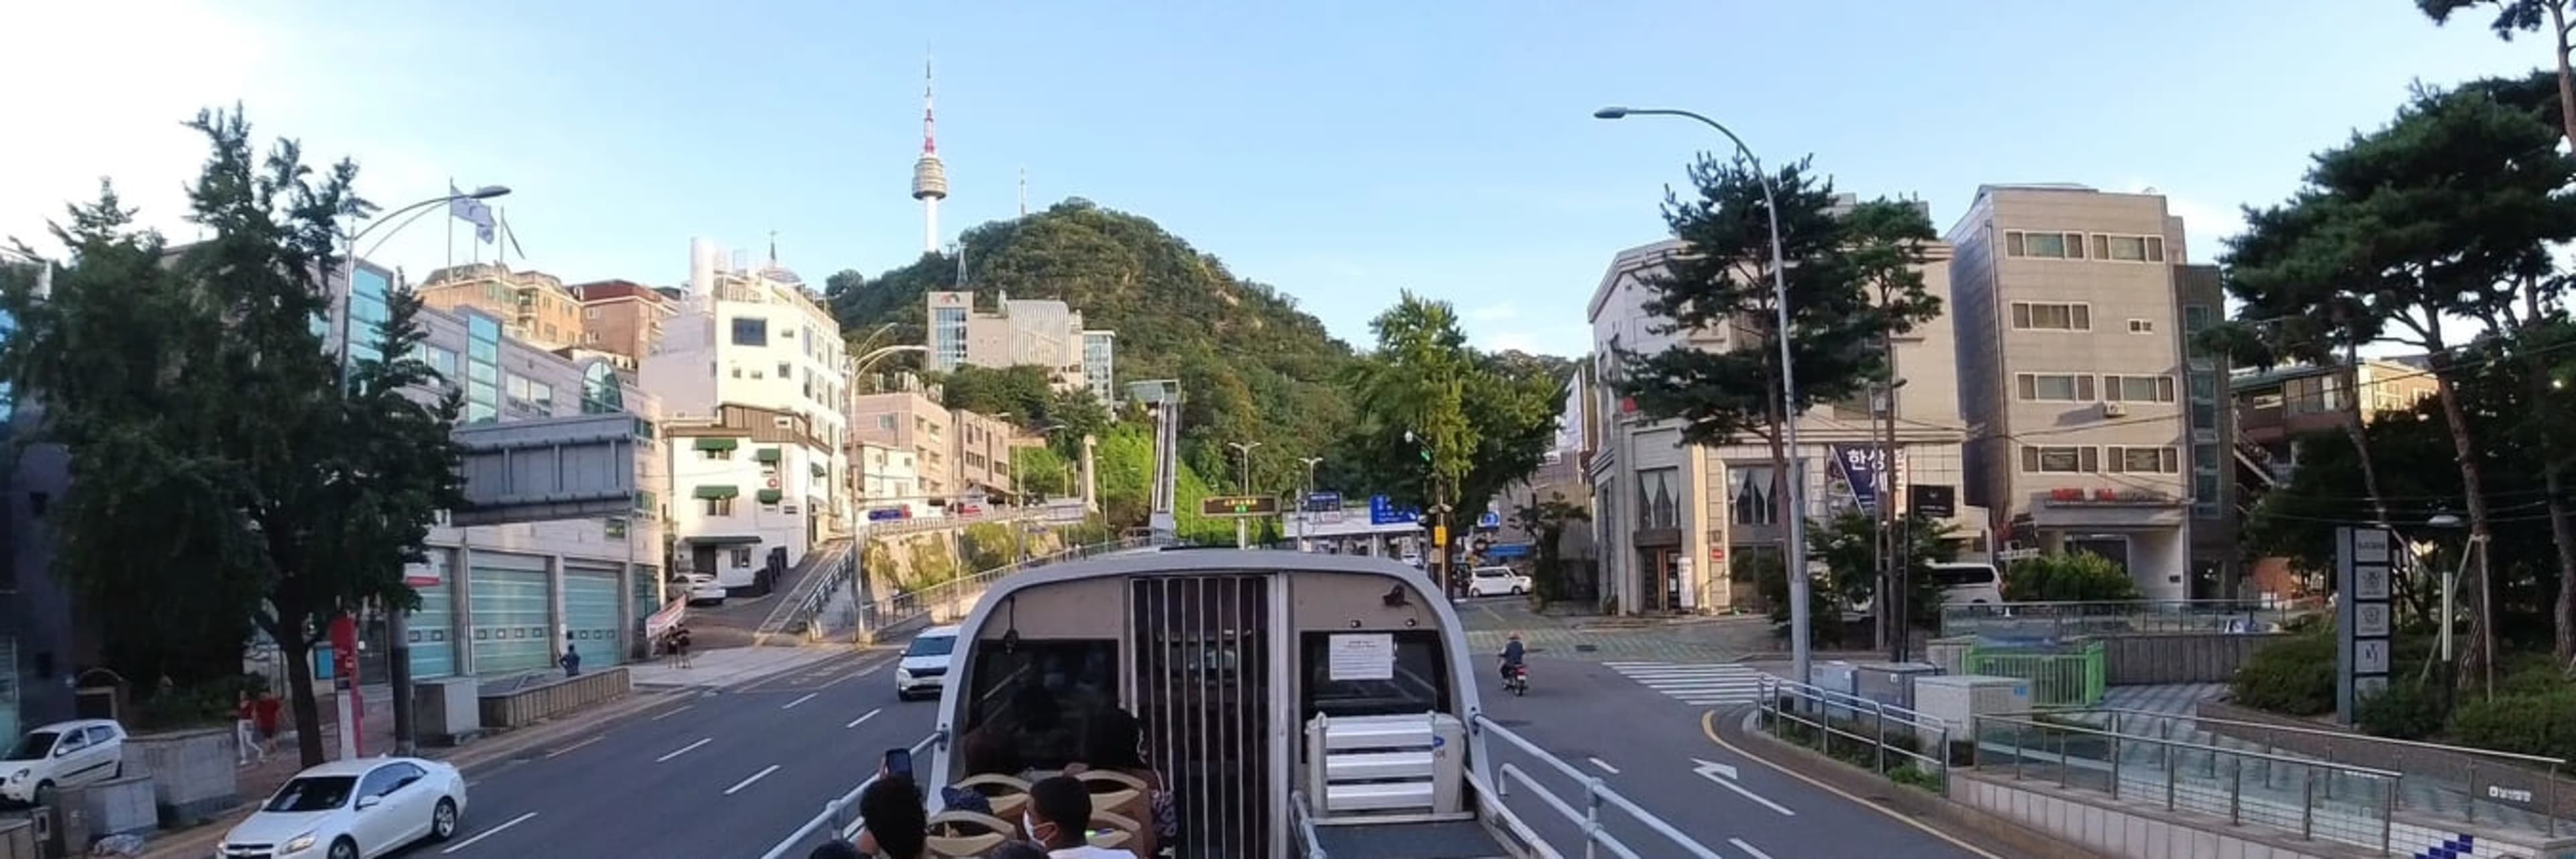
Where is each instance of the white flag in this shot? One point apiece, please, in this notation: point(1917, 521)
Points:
point(471, 211)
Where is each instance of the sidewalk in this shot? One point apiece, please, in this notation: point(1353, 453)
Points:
point(725, 668)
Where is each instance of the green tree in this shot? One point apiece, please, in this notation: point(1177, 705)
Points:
point(1545, 522)
point(2524, 16)
point(1044, 472)
point(2449, 212)
point(1848, 545)
point(1724, 285)
point(1019, 394)
point(2074, 577)
point(223, 471)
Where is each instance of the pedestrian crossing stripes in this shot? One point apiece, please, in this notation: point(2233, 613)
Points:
point(1695, 684)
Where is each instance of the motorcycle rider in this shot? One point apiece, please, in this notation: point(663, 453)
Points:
point(1512, 653)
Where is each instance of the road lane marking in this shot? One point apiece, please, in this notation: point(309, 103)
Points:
point(1604, 765)
point(792, 704)
point(568, 749)
point(1748, 848)
point(488, 833)
point(1724, 776)
point(871, 715)
point(854, 675)
point(1708, 727)
point(684, 750)
point(754, 777)
point(670, 712)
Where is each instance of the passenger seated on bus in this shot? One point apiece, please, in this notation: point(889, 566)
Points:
point(896, 824)
point(1059, 819)
point(1018, 850)
point(836, 849)
point(1116, 743)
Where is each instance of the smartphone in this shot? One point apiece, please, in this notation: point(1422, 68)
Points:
point(899, 762)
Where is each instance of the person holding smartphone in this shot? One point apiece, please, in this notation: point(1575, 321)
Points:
point(895, 824)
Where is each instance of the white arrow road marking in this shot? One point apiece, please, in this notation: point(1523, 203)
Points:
point(1724, 776)
point(871, 715)
point(747, 782)
point(1748, 848)
point(684, 750)
point(1604, 765)
point(489, 833)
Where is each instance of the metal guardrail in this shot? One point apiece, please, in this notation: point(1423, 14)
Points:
point(912, 604)
point(2431, 796)
point(898, 527)
point(1595, 795)
point(806, 607)
point(2316, 799)
point(2066, 619)
point(839, 816)
point(1819, 709)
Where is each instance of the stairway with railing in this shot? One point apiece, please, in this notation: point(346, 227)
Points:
point(826, 568)
point(841, 616)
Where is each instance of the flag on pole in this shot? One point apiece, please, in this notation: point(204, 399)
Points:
point(471, 211)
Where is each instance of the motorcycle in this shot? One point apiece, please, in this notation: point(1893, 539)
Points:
point(1516, 679)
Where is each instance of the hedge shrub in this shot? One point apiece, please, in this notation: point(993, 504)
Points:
point(2543, 724)
point(2293, 676)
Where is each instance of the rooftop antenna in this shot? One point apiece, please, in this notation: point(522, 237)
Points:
point(773, 248)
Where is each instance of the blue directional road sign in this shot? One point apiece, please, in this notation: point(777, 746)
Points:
point(1382, 511)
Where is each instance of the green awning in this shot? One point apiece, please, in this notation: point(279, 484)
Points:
point(767, 454)
point(820, 471)
point(770, 496)
point(721, 491)
point(717, 444)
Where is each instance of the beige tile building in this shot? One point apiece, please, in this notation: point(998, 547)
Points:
point(534, 306)
point(1681, 528)
point(2073, 373)
point(622, 317)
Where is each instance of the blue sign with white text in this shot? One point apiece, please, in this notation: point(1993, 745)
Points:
point(1323, 502)
point(1382, 511)
point(1490, 521)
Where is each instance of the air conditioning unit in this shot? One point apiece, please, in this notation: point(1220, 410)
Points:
point(2115, 410)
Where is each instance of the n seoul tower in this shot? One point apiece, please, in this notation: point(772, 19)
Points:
point(929, 177)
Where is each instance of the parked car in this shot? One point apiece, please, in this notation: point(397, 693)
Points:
point(924, 666)
point(701, 588)
point(353, 809)
point(1497, 581)
point(63, 754)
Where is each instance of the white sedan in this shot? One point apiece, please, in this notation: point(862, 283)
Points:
point(353, 810)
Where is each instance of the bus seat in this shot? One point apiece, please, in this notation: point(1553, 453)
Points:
point(954, 835)
point(1111, 830)
point(1123, 788)
point(1007, 794)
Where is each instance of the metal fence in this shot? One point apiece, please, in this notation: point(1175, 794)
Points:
point(1588, 819)
point(2443, 783)
point(2316, 799)
point(2070, 619)
point(912, 605)
point(2061, 677)
point(1890, 740)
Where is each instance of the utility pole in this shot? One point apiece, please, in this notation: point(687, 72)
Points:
point(1242, 526)
point(1303, 498)
point(1894, 538)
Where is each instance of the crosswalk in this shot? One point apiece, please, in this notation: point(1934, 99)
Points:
point(1695, 684)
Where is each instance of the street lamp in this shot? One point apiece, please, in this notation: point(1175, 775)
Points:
point(2451, 582)
point(1242, 526)
point(397, 645)
point(1796, 558)
point(1302, 512)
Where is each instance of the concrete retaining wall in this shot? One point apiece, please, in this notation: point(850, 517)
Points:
point(121, 806)
point(2178, 657)
point(519, 708)
point(192, 773)
point(2117, 831)
point(2489, 779)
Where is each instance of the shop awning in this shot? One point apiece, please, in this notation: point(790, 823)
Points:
point(716, 444)
point(721, 539)
point(718, 491)
point(768, 454)
point(770, 496)
point(820, 471)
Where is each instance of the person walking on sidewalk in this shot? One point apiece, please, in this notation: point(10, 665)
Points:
point(571, 660)
point(246, 731)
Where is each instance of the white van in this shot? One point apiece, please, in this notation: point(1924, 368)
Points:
point(1969, 583)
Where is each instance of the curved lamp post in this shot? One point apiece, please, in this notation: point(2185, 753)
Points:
point(1795, 558)
point(348, 296)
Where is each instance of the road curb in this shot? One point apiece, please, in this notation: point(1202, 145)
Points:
point(1962, 825)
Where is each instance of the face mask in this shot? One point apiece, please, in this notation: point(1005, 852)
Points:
point(1029, 826)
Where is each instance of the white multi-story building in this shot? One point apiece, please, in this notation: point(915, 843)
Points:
point(1022, 332)
point(1099, 364)
point(889, 478)
point(1682, 527)
point(752, 487)
point(756, 339)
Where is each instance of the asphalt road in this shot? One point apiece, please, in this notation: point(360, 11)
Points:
point(712, 775)
point(1651, 749)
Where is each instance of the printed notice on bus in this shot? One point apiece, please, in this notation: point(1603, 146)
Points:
point(1363, 657)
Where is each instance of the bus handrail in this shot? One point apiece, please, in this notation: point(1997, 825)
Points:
point(1305, 825)
point(1595, 793)
point(832, 815)
point(1511, 820)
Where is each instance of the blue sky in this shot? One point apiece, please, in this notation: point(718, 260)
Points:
point(1340, 151)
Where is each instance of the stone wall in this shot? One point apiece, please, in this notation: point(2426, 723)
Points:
point(541, 700)
point(193, 773)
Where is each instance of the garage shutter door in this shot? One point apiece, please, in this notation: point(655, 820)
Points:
point(510, 613)
point(590, 613)
point(432, 628)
